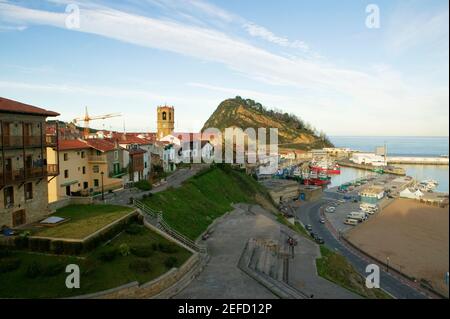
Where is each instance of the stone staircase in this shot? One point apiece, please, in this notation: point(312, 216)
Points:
point(263, 261)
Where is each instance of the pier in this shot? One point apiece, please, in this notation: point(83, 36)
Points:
point(417, 160)
point(386, 169)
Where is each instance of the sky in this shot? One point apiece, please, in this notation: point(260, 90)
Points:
point(320, 60)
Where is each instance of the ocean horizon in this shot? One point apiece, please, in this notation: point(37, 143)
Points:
point(396, 145)
point(425, 146)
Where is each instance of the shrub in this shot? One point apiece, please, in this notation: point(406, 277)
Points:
point(57, 247)
point(140, 266)
point(167, 248)
point(134, 229)
point(143, 185)
point(143, 251)
point(171, 262)
point(124, 250)
point(53, 269)
point(33, 270)
point(39, 244)
point(72, 248)
point(21, 242)
point(9, 264)
point(108, 254)
point(4, 253)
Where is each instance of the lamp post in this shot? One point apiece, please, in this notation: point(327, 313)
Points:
point(387, 264)
point(103, 188)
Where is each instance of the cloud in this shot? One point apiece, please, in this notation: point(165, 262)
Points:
point(410, 29)
point(261, 32)
point(378, 92)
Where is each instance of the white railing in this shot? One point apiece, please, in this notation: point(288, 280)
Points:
point(165, 227)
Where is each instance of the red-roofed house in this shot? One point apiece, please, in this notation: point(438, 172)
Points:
point(81, 165)
point(23, 163)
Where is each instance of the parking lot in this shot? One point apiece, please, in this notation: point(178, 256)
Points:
point(340, 215)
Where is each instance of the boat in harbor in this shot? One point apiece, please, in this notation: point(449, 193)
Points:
point(427, 185)
point(327, 166)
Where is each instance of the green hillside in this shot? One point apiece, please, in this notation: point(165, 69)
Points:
point(293, 132)
point(193, 206)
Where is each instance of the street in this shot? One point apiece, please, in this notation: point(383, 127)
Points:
point(309, 213)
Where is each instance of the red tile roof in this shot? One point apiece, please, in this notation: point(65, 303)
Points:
point(11, 106)
point(66, 145)
point(130, 139)
point(101, 144)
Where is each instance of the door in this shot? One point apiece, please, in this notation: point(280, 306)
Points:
point(68, 190)
point(6, 134)
point(8, 170)
point(19, 218)
point(27, 133)
point(29, 166)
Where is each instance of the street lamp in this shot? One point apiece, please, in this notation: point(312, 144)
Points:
point(387, 264)
point(103, 188)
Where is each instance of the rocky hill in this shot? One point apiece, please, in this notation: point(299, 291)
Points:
point(244, 113)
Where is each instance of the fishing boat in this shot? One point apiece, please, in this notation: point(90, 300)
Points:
point(326, 166)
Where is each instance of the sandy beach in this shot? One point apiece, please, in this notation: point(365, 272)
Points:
point(413, 235)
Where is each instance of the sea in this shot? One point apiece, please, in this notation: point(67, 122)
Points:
point(398, 146)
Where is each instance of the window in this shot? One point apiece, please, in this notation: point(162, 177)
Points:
point(9, 196)
point(116, 155)
point(96, 183)
point(84, 169)
point(66, 173)
point(85, 185)
point(96, 168)
point(83, 155)
point(66, 157)
point(28, 191)
point(164, 116)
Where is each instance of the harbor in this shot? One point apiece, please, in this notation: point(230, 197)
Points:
point(443, 160)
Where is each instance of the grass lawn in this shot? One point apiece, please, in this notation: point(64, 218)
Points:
point(84, 220)
point(97, 274)
point(335, 268)
point(193, 206)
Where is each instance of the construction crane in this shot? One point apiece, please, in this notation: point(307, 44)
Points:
point(86, 119)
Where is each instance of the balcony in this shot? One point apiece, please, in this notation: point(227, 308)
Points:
point(20, 175)
point(33, 141)
point(97, 158)
point(52, 170)
point(51, 140)
point(12, 141)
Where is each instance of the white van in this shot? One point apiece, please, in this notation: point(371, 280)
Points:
point(360, 216)
point(351, 221)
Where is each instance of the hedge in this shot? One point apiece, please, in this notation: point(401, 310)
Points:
point(63, 247)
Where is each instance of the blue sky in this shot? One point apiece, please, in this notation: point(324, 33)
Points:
point(316, 59)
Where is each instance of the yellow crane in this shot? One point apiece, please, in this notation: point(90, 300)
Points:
point(86, 119)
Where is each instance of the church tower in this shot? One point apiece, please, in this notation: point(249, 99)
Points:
point(166, 120)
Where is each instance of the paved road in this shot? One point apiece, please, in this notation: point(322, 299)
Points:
point(122, 197)
point(310, 214)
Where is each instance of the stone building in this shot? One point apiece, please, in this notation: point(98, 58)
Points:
point(23, 163)
point(165, 121)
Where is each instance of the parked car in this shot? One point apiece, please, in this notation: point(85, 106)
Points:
point(319, 240)
point(308, 227)
point(351, 221)
point(313, 235)
point(330, 209)
point(322, 220)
